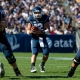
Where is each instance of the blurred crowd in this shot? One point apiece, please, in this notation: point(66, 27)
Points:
point(75, 10)
point(18, 11)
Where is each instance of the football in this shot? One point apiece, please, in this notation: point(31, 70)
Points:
point(35, 28)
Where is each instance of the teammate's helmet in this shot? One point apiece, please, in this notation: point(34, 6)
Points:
point(37, 12)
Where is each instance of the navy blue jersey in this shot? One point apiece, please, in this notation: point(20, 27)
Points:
point(38, 23)
point(2, 15)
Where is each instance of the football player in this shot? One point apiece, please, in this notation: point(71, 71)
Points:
point(76, 60)
point(5, 47)
point(38, 27)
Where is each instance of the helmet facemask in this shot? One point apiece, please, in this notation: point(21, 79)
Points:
point(37, 14)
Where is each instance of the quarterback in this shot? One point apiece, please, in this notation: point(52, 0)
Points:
point(38, 27)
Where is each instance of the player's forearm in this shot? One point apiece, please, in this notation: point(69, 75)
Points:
point(29, 32)
point(43, 31)
point(40, 32)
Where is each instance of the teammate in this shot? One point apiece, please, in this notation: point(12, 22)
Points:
point(5, 47)
point(38, 27)
point(76, 60)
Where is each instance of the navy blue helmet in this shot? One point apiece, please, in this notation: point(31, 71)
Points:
point(37, 12)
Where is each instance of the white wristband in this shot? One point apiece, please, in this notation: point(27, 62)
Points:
point(46, 31)
point(28, 31)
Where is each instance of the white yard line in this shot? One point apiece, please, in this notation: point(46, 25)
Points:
point(50, 58)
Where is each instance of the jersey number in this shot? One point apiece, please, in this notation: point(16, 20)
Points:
point(40, 25)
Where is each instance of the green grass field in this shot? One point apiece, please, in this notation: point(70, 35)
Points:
point(56, 67)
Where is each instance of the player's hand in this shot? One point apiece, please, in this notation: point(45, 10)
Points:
point(34, 30)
